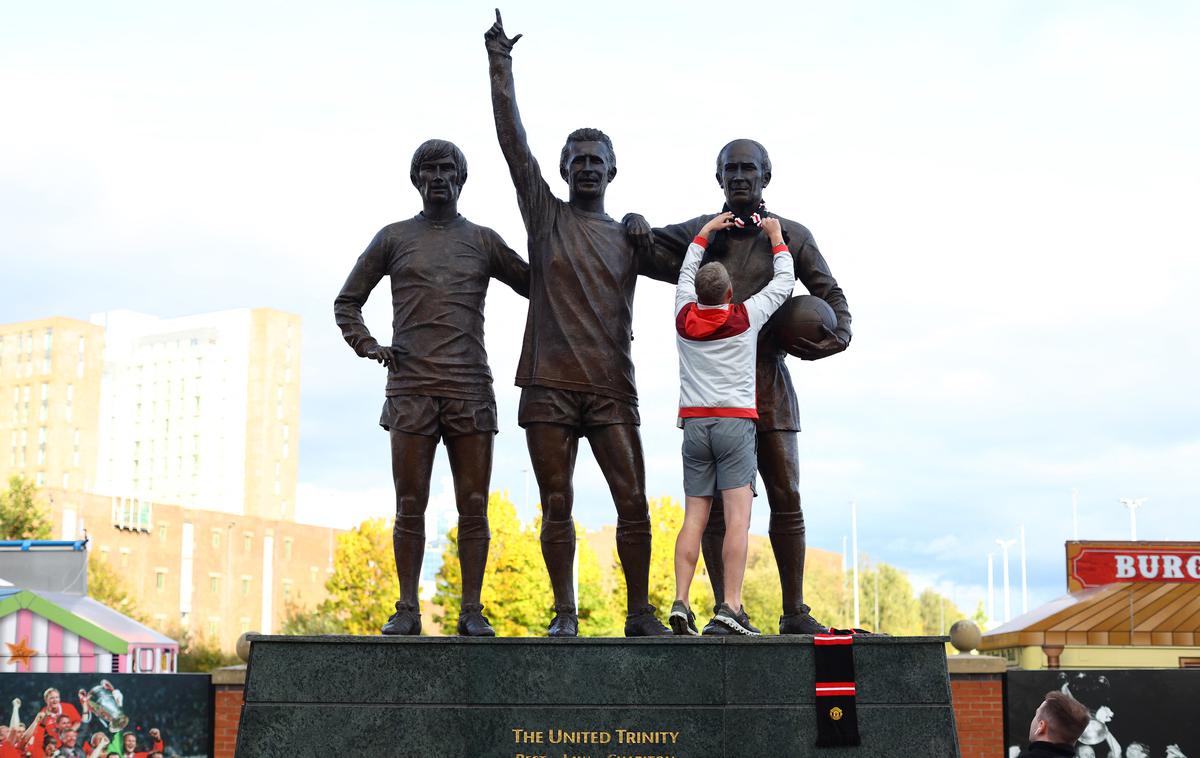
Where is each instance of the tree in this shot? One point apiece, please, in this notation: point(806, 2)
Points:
point(309, 621)
point(516, 589)
point(21, 517)
point(937, 612)
point(107, 586)
point(364, 580)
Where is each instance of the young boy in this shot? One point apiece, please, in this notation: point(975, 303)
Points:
point(717, 339)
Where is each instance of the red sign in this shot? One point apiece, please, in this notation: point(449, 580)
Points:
point(1095, 564)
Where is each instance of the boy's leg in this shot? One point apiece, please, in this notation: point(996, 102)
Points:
point(733, 553)
point(687, 544)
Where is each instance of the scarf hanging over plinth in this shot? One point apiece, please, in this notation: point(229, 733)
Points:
point(837, 713)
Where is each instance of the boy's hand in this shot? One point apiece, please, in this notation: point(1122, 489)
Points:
point(774, 231)
point(718, 222)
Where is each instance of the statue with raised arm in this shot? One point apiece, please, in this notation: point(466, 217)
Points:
point(576, 371)
point(743, 172)
point(439, 385)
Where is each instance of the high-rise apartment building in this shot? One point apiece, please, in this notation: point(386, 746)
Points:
point(50, 373)
point(201, 410)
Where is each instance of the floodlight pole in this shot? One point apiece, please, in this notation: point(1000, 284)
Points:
point(1133, 503)
point(1004, 546)
point(854, 557)
point(1024, 576)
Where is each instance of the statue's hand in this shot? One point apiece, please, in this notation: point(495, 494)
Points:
point(637, 231)
point(809, 350)
point(496, 41)
point(388, 356)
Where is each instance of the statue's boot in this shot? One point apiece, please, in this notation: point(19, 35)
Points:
point(788, 543)
point(558, 550)
point(474, 537)
point(408, 544)
point(633, 548)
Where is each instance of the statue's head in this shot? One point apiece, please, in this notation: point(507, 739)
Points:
point(438, 171)
point(587, 162)
point(743, 171)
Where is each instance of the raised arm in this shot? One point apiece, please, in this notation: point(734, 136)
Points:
point(347, 307)
point(685, 291)
point(783, 280)
point(533, 194)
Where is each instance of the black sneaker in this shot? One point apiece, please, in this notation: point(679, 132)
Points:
point(715, 628)
point(682, 620)
point(565, 623)
point(405, 621)
point(472, 622)
point(801, 623)
point(737, 622)
point(645, 623)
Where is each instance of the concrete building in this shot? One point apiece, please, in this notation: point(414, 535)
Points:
point(219, 574)
point(174, 441)
point(50, 373)
point(201, 410)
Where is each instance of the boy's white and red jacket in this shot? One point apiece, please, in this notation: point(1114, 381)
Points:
point(717, 343)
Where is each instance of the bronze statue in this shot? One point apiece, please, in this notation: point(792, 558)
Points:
point(439, 383)
point(576, 372)
point(743, 172)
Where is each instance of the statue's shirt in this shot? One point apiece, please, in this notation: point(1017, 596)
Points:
point(439, 276)
point(582, 276)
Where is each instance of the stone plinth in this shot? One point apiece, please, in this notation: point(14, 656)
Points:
point(699, 697)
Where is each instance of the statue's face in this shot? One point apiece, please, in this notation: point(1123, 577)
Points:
point(589, 169)
point(437, 181)
point(742, 175)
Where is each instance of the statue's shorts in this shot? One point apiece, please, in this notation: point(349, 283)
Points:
point(578, 410)
point(438, 416)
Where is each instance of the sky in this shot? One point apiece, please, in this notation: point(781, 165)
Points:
point(1005, 191)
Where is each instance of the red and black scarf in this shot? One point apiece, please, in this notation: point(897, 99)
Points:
point(837, 714)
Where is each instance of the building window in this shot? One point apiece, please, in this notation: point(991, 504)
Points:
point(214, 626)
point(245, 586)
point(313, 573)
point(287, 589)
point(214, 583)
point(247, 542)
point(160, 579)
point(216, 538)
point(244, 624)
point(162, 532)
point(287, 548)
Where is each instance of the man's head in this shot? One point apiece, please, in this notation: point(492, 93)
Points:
point(129, 741)
point(587, 162)
point(1137, 750)
point(713, 286)
point(69, 737)
point(1059, 719)
point(743, 171)
point(438, 171)
point(3, 732)
point(52, 697)
point(64, 722)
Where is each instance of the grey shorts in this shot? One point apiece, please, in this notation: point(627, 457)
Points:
point(718, 454)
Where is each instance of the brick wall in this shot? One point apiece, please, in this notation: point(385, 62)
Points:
point(227, 712)
point(979, 714)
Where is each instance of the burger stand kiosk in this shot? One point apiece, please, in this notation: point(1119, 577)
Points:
point(1128, 605)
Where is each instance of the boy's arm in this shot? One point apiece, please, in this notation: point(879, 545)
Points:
point(533, 194)
point(779, 289)
point(685, 290)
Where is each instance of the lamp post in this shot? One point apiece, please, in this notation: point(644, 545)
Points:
point(1133, 503)
point(1004, 546)
point(991, 611)
point(1024, 577)
point(854, 556)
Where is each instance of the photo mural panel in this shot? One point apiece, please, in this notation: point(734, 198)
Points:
point(1136, 713)
point(171, 713)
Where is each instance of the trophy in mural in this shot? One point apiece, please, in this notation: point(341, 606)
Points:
point(104, 700)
